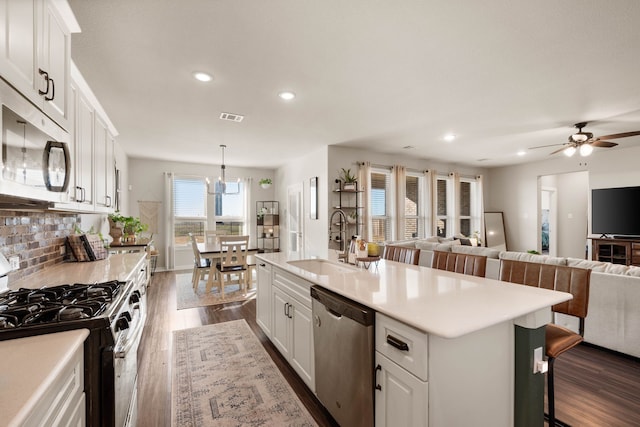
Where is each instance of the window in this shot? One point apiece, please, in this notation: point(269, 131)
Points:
point(381, 219)
point(413, 208)
point(189, 208)
point(443, 201)
point(469, 207)
point(229, 208)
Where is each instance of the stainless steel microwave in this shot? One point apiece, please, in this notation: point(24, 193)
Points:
point(35, 151)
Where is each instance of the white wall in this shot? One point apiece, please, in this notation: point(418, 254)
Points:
point(147, 183)
point(301, 170)
point(513, 189)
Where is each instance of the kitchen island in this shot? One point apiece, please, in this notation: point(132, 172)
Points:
point(466, 335)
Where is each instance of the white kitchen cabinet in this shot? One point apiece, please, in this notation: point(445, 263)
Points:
point(36, 52)
point(82, 192)
point(402, 397)
point(263, 299)
point(18, 45)
point(104, 166)
point(402, 390)
point(52, 394)
point(292, 327)
point(92, 187)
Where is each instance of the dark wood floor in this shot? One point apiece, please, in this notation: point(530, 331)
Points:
point(593, 387)
point(154, 377)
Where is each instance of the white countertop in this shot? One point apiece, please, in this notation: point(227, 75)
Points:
point(29, 366)
point(435, 301)
point(114, 267)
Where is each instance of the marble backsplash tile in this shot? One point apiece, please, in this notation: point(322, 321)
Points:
point(36, 237)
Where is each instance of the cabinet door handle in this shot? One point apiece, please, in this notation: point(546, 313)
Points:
point(107, 201)
point(263, 264)
point(289, 312)
point(81, 200)
point(53, 90)
point(375, 377)
point(46, 79)
point(286, 306)
point(397, 343)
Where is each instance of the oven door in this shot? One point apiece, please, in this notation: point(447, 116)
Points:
point(35, 151)
point(128, 328)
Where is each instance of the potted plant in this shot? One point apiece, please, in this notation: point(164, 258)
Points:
point(348, 179)
point(265, 182)
point(116, 224)
point(128, 226)
point(352, 217)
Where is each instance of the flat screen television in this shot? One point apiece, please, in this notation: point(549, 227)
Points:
point(615, 212)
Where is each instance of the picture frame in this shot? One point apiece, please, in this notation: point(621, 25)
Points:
point(313, 197)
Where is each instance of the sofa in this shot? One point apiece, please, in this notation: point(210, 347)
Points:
point(613, 319)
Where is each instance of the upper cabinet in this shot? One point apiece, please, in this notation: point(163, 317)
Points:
point(93, 150)
point(35, 52)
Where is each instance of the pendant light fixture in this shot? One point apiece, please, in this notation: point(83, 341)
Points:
point(220, 186)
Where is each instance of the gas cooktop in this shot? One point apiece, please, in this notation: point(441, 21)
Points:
point(26, 307)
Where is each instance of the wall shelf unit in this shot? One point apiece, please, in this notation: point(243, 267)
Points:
point(617, 251)
point(341, 229)
point(268, 226)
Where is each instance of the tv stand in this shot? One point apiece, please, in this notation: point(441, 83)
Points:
point(615, 250)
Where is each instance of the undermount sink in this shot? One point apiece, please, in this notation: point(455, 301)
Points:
point(322, 267)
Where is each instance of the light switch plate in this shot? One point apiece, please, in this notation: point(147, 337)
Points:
point(14, 262)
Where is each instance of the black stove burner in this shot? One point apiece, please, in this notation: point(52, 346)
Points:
point(56, 304)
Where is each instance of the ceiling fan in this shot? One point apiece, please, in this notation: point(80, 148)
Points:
point(584, 141)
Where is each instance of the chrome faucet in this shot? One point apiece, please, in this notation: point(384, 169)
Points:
point(342, 233)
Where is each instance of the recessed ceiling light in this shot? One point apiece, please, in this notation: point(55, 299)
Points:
point(287, 96)
point(522, 153)
point(203, 77)
point(449, 137)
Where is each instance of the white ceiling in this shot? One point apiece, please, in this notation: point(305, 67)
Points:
point(503, 75)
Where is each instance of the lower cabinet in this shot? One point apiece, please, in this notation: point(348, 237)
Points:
point(402, 390)
point(292, 327)
point(263, 299)
point(402, 397)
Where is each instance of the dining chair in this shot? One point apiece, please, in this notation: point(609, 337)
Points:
point(201, 266)
point(233, 262)
point(558, 339)
point(210, 236)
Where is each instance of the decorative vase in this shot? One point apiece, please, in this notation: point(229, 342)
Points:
point(115, 232)
point(265, 186)
point(350, 186)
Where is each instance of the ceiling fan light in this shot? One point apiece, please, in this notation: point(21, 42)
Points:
point(586, 149)
point(579, 137)
point(569, 151)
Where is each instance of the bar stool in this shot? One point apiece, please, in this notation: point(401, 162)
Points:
point(558, 338)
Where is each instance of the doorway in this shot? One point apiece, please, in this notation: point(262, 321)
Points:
point(295, 232)
point(563, 214)
point(548, 221)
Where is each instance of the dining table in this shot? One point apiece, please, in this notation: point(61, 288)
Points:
point(213, 252)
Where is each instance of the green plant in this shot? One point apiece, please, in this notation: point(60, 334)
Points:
point(264, 181)
point(130, 224)
point(345, 176)
point(533, 251)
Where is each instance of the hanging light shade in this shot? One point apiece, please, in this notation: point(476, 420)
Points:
point(220, 185)
point(569, 151)
point(586, 150)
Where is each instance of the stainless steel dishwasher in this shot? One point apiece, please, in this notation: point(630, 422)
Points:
point(343, 334)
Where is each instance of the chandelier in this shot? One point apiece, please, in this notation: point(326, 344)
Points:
point(220, 185)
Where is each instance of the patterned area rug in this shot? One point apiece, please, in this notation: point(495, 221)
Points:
point(187, 297)
point(222, 376)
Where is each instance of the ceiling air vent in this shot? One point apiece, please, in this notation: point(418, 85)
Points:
point(232, 117)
